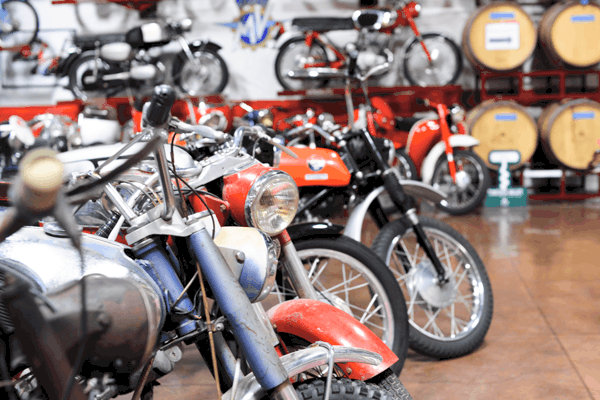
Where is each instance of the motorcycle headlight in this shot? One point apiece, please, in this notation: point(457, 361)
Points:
point(272, 202)
point(458, 113)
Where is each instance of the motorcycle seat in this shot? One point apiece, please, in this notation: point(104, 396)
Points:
point(89, 41)
point(405, 124)
point(323, 24)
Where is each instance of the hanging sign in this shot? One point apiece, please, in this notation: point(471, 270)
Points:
point(253, 27)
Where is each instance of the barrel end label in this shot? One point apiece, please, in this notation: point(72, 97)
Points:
point(583, 18)
point(505, 117)
point(584, 115)
point(502, 36)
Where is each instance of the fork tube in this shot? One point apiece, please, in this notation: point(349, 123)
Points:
point(295, 269)
point(235, 305)
point(165, 183)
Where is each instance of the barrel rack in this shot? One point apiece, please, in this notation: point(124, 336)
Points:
point(540, 88)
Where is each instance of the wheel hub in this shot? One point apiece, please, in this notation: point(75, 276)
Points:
point(463, 180)
point(425, 283)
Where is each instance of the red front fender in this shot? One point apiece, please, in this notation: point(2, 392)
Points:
point(313, 321)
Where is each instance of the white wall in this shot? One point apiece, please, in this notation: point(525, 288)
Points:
point(251, 70)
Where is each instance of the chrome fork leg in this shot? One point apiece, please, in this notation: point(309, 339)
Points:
point(297, 273)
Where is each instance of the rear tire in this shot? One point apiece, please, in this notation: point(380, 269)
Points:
point(405, 165)
point(417, 69)
point(293, 54)
point(81, 67)
point(25, 24)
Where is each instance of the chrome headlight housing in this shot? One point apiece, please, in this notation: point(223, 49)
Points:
point(272, 202)
point(457, 113)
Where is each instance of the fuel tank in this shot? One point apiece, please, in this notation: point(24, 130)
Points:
point(49, 263)
point(315, 167)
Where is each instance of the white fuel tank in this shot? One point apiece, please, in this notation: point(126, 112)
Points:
point(119, 51)
point(143, 72)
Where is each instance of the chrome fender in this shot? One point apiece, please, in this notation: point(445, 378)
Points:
point(439, 149)
point(303, 360)
point(416, 189)
point(49, 262)
point(315, 321)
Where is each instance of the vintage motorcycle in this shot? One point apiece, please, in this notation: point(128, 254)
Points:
point(103, 65)
point(434, 259)
point(341, 272)
point(112, 318)
point(310, 60)
point(440, 150)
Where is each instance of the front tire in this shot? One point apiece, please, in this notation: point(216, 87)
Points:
point(448, 321)
point(208, 76)
point(349, 276)
point(474, 178)
point(294, 54)
point(345, 389)
point(445, 67)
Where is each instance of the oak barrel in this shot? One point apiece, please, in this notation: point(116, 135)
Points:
point(570, 131)
point(569, 34)
point(502, 125)
point(499, 37)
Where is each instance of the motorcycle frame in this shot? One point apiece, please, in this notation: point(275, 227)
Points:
point(404, 18)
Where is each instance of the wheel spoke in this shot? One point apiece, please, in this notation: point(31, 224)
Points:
point(364, 316)
point(318, 274)
point(362, 285)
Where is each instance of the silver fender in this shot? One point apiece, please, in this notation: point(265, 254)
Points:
point(50, 262)
point(416, 189)
point(302, 360)
point(439, 149)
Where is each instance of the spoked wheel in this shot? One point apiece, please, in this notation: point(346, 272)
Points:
point(81, 75)
point(472, 182)
point(444, 68)
point(206, 74)
point(445, 321)
point(405, 165)
point(19, 24)
point(349, 276)
point(294, 55)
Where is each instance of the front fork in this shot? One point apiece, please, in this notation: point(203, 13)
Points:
point(248, 329)
point(298, 277)
point(405, 205)
point(414, 28)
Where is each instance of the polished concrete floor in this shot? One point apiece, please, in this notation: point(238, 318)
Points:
point(544, 341)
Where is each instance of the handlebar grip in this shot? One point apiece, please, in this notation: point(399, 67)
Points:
point(40, 181)
point(163, 98)
point(352, 57)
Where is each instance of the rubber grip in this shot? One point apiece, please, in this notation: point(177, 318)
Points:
point(159, 110)
point(403, 201)
point(352, 57)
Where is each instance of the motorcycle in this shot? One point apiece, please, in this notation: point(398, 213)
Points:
point(103, 65)
point(441, 152)
point(340, 271)
point(428, 257)
point(304, 62)
point(112, 318)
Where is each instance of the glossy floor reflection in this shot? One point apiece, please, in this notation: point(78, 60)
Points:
point(544, 341)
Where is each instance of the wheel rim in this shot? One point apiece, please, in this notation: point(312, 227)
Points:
point(442, 68)
point(202, 78)
point(459, 307)
point(402, 165)
point(470, 181)
point(79, 85)
point(295, 57)
point(347, 284)
point(19, 25)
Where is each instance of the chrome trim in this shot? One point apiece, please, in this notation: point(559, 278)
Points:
point(303, 360)
point(257, 187)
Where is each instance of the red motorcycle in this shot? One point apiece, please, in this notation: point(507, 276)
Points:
point(430, 59)
point(441, 151)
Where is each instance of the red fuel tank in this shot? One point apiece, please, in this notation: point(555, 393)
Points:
point(315, 167)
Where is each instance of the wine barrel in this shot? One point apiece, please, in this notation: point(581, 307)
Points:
point(570, 131)
point(569, 34)
point(502, 125)
point(499, 37)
